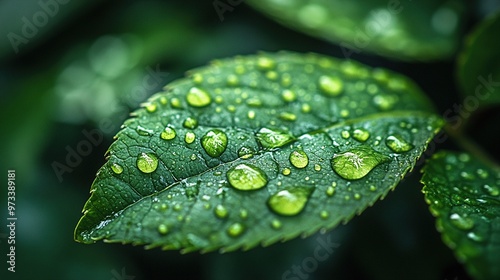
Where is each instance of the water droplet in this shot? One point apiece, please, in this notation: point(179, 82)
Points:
point(475, 236)
point(151, 107)
point(361, 135)
point(251, 114)
point(190, 137)
point(287, 171)
point(324, 214)
point(176, 102)
point(331, 86)
point(246, 177)
point(299, 159)
point(317, 167)
point(357, 163)
point(177, 207)
point(373, 188)
point(163, 100)
point(286, 116)
point(330, 191)
point(163, 229)
point(220, 211)
point(345, 134)
point(198, 98)
point(243, 214)
point(276, 224)
point(265, 63)
point(271, 139)
point(143, 131)
point(168, 133)
point(464, 157)
point(232, 80)
point(492, 190)
point(272, 75)
point(117, 169)
point(147, 162)
point(214, 142)
point(288, 95)
point(190, 123)
point(289, 202)
point(482, 173)
point(461, 221)
point(385, 102)
point(245, 152)
point(357, 196)
point(235, 230)
point(306, 108)
point(398, 144)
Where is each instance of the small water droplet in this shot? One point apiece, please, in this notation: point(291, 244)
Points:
point(117, 169)
point(272, 75)
point(461, 221)
point(385, 102)
point(398, 144)
point(345, 134)
point(251, 114)
point(190, 123)
point(243, 214)
point(177, 207)
point(151, 107)
point(246, 177)
point(464, 157)
point(143, 131)
point(287, 171)
point(475, 236)
point(197, 78)
point(466, 175)
point(317, 167)
point(276, 224)
point(286, 116)
point(163, 100)
point(324, 214)
point(299, 159)
point(331, 86)
point(290, 201)
point(361, 135)
point(235, 230)
point(220, 211)
point(214, 142)
point(168, 133)
point(190, 137)
point(492, 190)
point(147, 162)
point(288, 95)
point(330, 191)
point(198, 98)
point(483, 174)
point(245, 152)
point(176, 102)
point(306, 108)
point(271, 139)
point(265, 63)
point(232, 80)
point(357, 163)
point(357, 196)
point(163, 229)
point(373, 188)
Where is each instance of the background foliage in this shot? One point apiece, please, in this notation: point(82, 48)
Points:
point(94, 62)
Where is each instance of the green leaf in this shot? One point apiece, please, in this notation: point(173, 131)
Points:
point(418, 30)
point(257, 149)
point(464, 196)
point(478, 72)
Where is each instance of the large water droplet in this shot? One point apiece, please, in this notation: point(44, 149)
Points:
point(214, 142)
point(331, 86)
point(461, 221)
point(117, 169)
point(398, 144)
point(246, 177)
point(190, 123)
point(168, 134)
point(147, 162)
point(357, 163)
point(198, 98)
point(299, 159)
point(361, 135)
point(273, 138)
point(235, 230)
point(290, 201)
